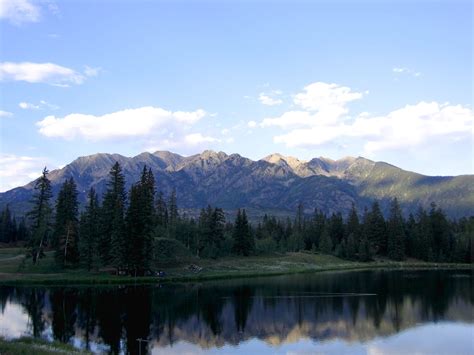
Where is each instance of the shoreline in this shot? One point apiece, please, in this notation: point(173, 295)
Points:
point(107, 280)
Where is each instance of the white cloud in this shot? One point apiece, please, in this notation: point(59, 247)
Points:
point(198, 138)
point(184, 144)
point(139, 122)
point(19, 170)
point(91, 72)
point(5, 113)
point(291, 119)
point(42, 105)
point(404, 70)
point(47, 73)
point(400, 70)
point(325, 119)
point(410, 126)
point(323, 104)
point(269, 99)
point(326, 98)
point(28, 106)
point(252, 124)
point(414, 125)
point(19, 11)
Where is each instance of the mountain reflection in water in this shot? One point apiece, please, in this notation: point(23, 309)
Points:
point(277, 314)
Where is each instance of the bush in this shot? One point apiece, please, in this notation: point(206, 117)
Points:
point(166, 250)
point(266, 246)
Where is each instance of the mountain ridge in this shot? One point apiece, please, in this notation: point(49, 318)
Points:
point(275, 183)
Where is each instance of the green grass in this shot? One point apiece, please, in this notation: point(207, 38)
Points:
point(28, 346)
point(14, 268)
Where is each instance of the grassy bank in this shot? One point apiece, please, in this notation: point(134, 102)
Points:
point(28, 346)
point(15, 269)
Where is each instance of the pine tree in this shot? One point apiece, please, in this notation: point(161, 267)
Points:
point(40, 216)
point(375, 230)
point(410, 229)
point(173, 208)
point(22, 231)
point(90, 232)
point(441, 234)
point(325, 244)
point(396, 232)
point(65, 236)
point(353, 225)
point(352, 247)
point(139, 220)
point(299, 218)
point(7, 226)
point(365, 253)
point(318, 225)
point(243, 239)
point(113, 246)
point(161, 211)
point(422, 237)
point(336, 228)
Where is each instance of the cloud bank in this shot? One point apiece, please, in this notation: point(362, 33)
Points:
point(324, 118)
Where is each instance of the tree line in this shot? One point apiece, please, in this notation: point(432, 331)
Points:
point(131, 230)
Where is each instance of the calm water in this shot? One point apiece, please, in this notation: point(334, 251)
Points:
point(370, 312)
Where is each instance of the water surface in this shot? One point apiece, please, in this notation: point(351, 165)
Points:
point(358, 312)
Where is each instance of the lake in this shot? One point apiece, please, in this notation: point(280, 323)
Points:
point(357, 312)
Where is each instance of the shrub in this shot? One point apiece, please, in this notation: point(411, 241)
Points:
point(167, 250)
point(266, 246)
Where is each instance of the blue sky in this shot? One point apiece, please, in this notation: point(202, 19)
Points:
point(388, 80)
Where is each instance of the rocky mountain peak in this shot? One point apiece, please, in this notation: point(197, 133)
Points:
point(275, 183)
point(279, 159)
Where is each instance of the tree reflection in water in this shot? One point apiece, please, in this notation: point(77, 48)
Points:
point(347, 305)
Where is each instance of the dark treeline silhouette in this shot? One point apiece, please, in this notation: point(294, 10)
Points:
point(133, 231)
point(231, 312)
point(11, 229)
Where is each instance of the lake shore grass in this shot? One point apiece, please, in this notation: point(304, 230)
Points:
point(28, 346)
point(15, 269)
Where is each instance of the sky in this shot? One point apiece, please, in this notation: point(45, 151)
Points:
point(387, 80)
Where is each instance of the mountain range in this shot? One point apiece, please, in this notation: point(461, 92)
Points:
point(275, 184)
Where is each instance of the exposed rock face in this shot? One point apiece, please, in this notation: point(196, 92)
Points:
point(274, 184)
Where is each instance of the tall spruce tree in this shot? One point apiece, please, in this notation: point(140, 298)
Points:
point(90, 232)
point(40, 217)
point(396, 232)
point(113, 246)
point(365, 252)
point(8, 229)
point(173, 208)
point(299, 220)
point(353, 224)
point(422, 237)
point(441, 234)
point(318, 225)
point(139, 221)
point(242, 236)
point(161, 211)
point(336, 228)
point(325, 243)
point(375, 230)
point(66, 233)
point(410, 229)
point(352, 246)
point(211, 231)
point(22, 230)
